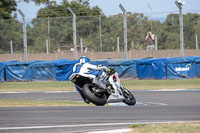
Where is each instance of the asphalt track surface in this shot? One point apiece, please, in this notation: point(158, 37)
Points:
point(152, 106)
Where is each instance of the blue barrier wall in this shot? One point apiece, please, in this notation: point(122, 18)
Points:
point(64, 70)
point(151, 68)
point(183, 67)
point(17, 71)
point(197, 67)
point(60, 70)
point(2, 76)
point(169, 68)
point(125, 68)
point(3, 69)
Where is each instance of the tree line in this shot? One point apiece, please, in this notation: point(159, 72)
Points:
point(90, 21)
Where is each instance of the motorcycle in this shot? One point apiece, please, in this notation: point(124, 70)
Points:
point(103, 89)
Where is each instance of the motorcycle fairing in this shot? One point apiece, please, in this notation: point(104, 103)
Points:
point(79, 80)
point(117, 96)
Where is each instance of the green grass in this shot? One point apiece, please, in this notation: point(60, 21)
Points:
point(69, 86)
point(185, 127)
point(161, 84)
point(36, 86)
point(37, 103)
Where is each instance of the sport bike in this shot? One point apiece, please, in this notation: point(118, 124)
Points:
point(106, 88)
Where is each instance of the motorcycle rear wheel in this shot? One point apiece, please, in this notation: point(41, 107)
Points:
point(99, 99)
point(129, 98)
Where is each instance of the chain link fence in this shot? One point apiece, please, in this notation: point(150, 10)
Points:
point(11, 32)
point(97, 33)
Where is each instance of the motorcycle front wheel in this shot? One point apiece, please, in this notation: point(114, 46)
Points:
point(98, 98)
point(129, 98)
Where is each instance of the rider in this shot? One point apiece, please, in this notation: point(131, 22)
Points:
point(88, 70)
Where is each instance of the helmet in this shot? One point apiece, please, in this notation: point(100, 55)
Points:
point(84, 59)
point(111, 70)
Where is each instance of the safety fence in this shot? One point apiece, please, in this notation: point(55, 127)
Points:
point(98, 33)
point(60, 70)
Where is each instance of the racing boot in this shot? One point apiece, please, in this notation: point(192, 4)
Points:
point(87, 101)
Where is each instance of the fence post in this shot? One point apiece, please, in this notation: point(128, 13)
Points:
point(100, 39)
point(11, 47)
point(197, 44)
point(48, 34)
point(181, 33)
point(179, 4)
point(74, 33)
point(156, 43)
point(125, 31)
point(47, 47)
point(81, 42)
point(25, 36)
point(118, 50)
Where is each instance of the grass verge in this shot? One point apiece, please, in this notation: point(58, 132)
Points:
point(161, 84)
point(69, 86)
point(38, 103)
point(36, 86)
point(185, 127)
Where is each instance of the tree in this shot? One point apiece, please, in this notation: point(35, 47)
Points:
point(10, 30)
point(38, 2)
point(81, 8)
point(6, 8)
point(60, 20)
point(197, 27)
point(190, 20)
point(138, 26)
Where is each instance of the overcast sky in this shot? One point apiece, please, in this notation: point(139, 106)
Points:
point(159, 8)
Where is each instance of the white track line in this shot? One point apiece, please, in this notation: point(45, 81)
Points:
point(38, 92)
point(89, 125)
point(77, 92)
point(64, 126)
point(113, 131)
